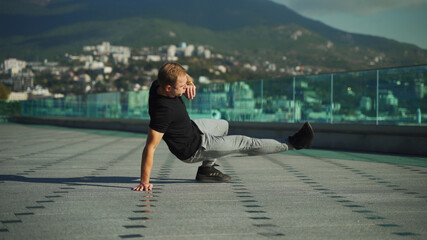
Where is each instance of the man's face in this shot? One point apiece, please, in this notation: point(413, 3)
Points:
point(180, 86)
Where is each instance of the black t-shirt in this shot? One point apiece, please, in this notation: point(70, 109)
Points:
point(169, 116)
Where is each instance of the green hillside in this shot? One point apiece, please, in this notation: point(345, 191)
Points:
point(249, 29)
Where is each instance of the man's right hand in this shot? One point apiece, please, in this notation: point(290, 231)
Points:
point(143, 187)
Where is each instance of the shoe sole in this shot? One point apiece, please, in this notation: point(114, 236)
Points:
point(210, 180)
point(312, 137)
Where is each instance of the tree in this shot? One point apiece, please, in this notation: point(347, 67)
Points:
point(4, 92)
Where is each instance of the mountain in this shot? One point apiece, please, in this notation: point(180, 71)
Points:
point(249, 28)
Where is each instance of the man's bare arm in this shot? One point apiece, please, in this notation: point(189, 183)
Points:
point(190, 91)
point(153, 140)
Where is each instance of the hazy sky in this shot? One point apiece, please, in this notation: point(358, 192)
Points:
point(401, 20)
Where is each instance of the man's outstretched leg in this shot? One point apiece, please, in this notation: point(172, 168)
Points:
point(214, 147)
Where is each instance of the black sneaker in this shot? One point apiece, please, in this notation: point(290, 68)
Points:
point(211, 174)
point(303, 138)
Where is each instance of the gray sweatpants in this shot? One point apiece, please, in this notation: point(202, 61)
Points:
point(216, 144)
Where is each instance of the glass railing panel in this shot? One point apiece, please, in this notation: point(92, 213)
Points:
point(313, 98)
point(137, 105)
point(241, 102)
point(401, 95)
point(387, 96)
point(234, 101)
point(276, 100)
point(73, 107)
point(211, 101)
point(354, 97)
point(104, 105)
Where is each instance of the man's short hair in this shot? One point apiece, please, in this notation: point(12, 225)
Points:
point(169, 73)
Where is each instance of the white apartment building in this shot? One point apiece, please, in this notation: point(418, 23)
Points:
point(14, 66)
point(120, 54)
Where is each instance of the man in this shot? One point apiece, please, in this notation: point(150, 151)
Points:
point(201, 140)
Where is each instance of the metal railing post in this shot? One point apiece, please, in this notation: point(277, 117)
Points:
point(378, 87)
point(293, 101)
point(332, 98)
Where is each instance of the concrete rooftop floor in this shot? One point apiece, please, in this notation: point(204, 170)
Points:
point(59, 183)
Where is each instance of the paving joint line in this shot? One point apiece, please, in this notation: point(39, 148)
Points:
point(46, 150)
point(333, 195)
point(373, 178)
point(55, 192)
point(248, 201)
point(148, 198)
point(49, 164)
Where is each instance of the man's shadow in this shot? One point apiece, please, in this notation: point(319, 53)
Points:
point(96, 181)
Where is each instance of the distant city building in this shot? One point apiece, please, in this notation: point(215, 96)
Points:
point(23, 81)
point(271, 67)
point(188, 51)
point(84, 78)
point(296, 35)
point(89, 48)
point(183, 45)
point(38, 92)
point(207, 54)
point(108, 70)
point(387, 99)
point(171, 51)
point(250, 67)
point(14, 66)
point(301, 84)
point(419, 89)
point(104, 48)
point(182, 50)
point(366, 103)
point(104, 58)
point(242, 96)
point(153, 58)
point(204, 80)
point(18, 96)
point(52, 67)
point(221, 68)
point(138, 58)
point(120, 54)
point(80, 58)
point(200, 50)
point(137, 106)
point(95, 65)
